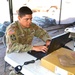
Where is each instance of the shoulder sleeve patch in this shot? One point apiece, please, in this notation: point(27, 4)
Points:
point(11, 32)
point(13, 37)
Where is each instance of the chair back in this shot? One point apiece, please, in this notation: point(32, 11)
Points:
point(4, 40)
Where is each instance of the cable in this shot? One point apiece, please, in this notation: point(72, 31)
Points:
point(19, 67)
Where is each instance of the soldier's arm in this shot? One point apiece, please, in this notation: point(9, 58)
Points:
point(12, 43)
point(42, 34)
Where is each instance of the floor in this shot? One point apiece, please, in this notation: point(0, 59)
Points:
point(3, 49)
point(2, 62)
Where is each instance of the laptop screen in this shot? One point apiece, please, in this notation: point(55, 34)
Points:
point(58, 42)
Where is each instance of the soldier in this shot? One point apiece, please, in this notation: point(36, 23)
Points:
point(19, 35)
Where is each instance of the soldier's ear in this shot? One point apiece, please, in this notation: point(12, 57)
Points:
point(19, 17)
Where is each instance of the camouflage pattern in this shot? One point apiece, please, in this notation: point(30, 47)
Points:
point(19, 39)
point(13, 73)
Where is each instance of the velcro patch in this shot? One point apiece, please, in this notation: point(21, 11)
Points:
point(11, 32)
point(13, 37)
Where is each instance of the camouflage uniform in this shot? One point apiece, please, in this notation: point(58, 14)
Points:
point(19, 39)
point(13, 73)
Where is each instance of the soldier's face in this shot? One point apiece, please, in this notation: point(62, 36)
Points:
point(25, 21)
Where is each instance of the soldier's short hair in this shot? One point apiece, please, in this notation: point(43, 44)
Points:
point(24, 10)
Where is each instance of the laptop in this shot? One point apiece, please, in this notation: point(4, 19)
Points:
point(56, 43)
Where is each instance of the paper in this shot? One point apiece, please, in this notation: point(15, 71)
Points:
point(60, 71)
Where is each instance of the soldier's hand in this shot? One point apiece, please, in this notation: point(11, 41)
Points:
point(48, 43)
point(40, 48)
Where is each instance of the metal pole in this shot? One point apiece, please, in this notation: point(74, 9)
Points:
point(11, 10)
point(60, 12)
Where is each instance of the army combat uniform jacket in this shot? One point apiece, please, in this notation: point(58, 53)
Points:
point(19, 39)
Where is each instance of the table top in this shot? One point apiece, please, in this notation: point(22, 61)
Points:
point(72, 29)
point(15, 59)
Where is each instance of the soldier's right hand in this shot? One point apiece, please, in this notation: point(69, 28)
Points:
point(40, 48)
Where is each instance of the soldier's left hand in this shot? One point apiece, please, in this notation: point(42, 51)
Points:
point(48, 43)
